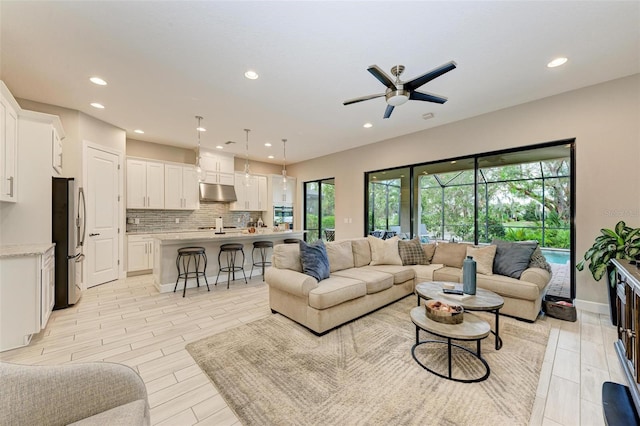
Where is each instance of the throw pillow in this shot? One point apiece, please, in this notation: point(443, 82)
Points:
point(384, 252)
point(512, 258)
point(340, 255)
point(361, 252)
point(539, 261)
point(411, 252)
point(483, 256)
point(429, 250)
point(315, 262)
point(450, 254)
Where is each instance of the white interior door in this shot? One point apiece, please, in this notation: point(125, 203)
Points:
point(102, 217)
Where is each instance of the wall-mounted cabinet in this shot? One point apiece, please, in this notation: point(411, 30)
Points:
point(8, 146)
point(217, 167)
point(139, 253)
point(145, 184)
point(281, 194)
point(56, 151)
point(180, 187)
point(251, 192)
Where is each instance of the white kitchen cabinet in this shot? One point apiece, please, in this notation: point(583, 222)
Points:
point(283, 195)
point(139, 253)
point(180, 187)
point(217, 167)
point(8, 146)
point(251, 193)
point(145, 184)
point(27, 292)
point(56, 149)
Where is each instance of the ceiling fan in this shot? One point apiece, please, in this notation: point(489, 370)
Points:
point(399, 92)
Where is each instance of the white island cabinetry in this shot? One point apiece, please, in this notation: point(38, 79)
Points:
point(139, 253)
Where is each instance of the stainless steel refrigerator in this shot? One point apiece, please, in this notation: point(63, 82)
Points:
point(69, 226)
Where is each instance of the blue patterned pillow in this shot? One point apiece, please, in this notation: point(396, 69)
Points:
point(314, 259)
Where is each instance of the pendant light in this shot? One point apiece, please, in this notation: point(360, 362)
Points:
point(284, 162)
point(199, 129)
point(247, 170)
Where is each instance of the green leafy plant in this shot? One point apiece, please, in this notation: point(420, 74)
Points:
point(622, 242)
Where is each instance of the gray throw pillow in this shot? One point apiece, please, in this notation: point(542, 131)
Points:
point(512, 258)
point(411, 252)
point(314, 259)
point(539, 261)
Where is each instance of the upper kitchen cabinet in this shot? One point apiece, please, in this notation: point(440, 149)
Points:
point(56, 156)
point(218, 167)
point(145, 184)
point(251, 192)
point(8, 145)
point(283, 195)
point(180, 187)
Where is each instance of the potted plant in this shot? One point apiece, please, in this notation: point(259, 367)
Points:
point(622, 242)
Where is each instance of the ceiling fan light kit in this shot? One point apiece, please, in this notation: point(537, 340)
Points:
point(399, 92)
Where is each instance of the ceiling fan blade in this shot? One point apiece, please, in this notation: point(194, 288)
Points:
point(427, 77)
point(419, 96)
point(382, 77)
point(388, 111)
point(362, 98)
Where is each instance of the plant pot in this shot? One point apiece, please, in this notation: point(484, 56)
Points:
point(613, 311)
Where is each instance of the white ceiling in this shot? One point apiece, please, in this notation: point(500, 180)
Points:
point(167, 62)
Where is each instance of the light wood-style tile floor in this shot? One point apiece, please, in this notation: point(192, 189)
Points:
point(129, 322)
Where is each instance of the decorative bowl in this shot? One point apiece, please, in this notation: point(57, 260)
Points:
point(444, 312)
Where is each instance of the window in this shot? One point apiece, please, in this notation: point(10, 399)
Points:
point(319, 210)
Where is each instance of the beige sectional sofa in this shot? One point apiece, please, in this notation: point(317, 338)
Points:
point(361, 281)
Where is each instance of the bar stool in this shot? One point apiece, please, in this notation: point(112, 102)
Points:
point(186, 254)
point(262, 247)
point(291, 240)
point(231, 250)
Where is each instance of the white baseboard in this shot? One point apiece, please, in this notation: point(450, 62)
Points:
point(597, 308)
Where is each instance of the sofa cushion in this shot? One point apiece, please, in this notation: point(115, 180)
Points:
point(509, 287)
point(384, 252)
point(376, 281)
point(448, 274)
point(411, 252)
point(361, 252)
point(484, 258)
point(512, 258)
point(539, 261)
point(287, 256)
point(429, 250)
point(315, 262)
point(340, 255)
point(400, 273)
point(450, 254)
point(336, 290)
point(425, 272)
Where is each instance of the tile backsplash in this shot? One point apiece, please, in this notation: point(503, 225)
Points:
point(165, 220)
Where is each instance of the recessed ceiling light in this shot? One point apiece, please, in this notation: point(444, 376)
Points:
point(219, 147)
point(267, 144)
point(557, 62)
point(427, 116)
point(97, 105)
point(138, 131)
point(367, 125)
point(271, 156)
point(98, 81)
point(251, 75)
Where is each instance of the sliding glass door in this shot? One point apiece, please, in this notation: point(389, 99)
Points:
point(319, 210)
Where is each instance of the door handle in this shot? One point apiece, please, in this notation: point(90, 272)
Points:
point(94, 235)
point(10, 193)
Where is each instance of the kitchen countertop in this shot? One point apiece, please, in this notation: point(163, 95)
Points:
point(211, 235)
point(174, 231)
point(17, 250)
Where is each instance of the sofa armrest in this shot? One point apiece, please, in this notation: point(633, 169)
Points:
point(538, 276)
point(289, 281)
point(63, 394)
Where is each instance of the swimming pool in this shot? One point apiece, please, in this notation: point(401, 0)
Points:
point(558, 256)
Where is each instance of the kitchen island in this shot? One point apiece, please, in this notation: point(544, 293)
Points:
point(166, 250)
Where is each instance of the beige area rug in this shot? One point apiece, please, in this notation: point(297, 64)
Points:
point(275, 372)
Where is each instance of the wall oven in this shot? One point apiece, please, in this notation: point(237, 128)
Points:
point(283, 214)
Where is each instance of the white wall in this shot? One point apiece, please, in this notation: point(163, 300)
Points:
point(604, 119)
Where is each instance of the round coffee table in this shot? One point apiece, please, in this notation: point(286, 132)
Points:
point(471, 328)
point(483, 300)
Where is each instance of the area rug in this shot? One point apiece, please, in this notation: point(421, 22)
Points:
point(275, 372)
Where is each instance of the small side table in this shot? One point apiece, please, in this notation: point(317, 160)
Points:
point(471, 329)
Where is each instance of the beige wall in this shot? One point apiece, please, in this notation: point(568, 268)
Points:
point(156, 151)
point(603, 118)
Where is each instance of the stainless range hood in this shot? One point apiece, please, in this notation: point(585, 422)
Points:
point(217, 192)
